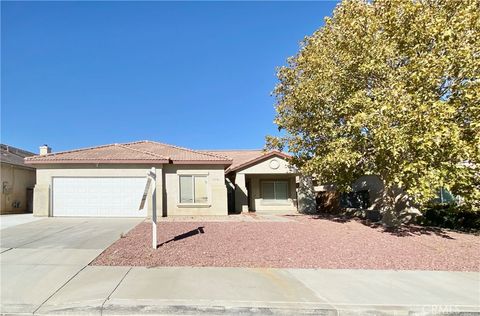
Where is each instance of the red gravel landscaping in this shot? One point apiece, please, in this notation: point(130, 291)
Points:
point(303, 242)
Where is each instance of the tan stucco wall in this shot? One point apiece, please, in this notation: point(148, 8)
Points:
point(258, 204)
point(264, 171)
point(263, 167)
point(370, 183)
point(306, 197)
point(42, 192)
point(374, 186)
point(216, 187)
point(14, 183)
point(405, 207)
point(167, 186)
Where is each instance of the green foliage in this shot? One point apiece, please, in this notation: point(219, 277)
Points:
point(391, 88)
point(450, 216)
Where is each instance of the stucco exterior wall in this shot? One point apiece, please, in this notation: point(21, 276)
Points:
point(266, 167)
point(167, 186)
point(306, 197)
point(370, 183)
point(15, 180)
point(405, 207)
point(258, 204)
point(216, 188)
point(42, 193)
point(274, 168)
point(374, 186)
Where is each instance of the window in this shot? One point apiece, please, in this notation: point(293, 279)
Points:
point(275, 190)
point(193, 189)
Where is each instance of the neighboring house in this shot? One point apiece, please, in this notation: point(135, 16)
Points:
point(109, 181)
point(17, 180)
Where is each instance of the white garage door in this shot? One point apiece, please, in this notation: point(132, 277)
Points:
point(103, 197)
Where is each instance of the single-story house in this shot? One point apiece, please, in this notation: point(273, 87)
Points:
point(109, 181)
point(17, 179)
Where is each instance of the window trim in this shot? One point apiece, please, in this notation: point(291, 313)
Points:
point(193, 176)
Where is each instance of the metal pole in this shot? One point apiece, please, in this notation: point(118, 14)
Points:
point(154, 208)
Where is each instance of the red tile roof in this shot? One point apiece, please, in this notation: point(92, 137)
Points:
point(245, 158)
point(178, 154)
point(135, 152)
point(154, 152)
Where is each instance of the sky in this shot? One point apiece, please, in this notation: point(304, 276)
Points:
point(192, 74)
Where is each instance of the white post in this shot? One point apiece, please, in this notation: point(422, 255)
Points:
point(153, 175)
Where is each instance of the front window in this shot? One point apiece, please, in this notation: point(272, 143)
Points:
point(275, 190)
point(193, 189)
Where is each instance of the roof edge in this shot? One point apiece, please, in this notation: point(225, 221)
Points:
point(17, 151)
point(69, 151)
point(202, 162)
point(24, 166)
point(238, 150)
point(96, 161)
point(258, 159)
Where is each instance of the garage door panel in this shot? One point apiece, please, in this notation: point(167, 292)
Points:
point(102, 196)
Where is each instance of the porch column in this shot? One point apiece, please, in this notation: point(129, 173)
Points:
point(241, 195)
point(306, 195)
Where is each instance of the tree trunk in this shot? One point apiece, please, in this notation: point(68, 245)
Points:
point(391, 212)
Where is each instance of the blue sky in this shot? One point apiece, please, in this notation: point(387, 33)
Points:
point(194, 74)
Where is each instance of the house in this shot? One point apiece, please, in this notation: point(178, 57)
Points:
point(17, 179)
point(109, 180)
point(260, 181)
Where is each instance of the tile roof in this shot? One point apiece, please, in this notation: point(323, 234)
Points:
point(178, 154)
point(244, 158)
point(238, 156)
point(14, 156)
point(135, 152)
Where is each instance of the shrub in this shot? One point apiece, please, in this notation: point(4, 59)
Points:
point(451, 216)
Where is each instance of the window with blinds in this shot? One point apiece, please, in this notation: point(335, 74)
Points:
point(275, 190)
point(193, 189)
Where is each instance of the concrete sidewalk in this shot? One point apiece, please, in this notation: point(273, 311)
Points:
point(38, 258)
point(206, 291)
point(44, 269)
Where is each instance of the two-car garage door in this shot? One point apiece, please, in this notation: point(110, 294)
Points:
point(102, 196)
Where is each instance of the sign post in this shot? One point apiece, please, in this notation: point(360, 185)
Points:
point(151, 181)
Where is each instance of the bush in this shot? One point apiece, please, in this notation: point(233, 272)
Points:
point(450, 216)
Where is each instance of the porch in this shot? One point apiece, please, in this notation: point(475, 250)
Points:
point(266, 193)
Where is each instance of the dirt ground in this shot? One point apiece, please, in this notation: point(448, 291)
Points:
point(295, 242)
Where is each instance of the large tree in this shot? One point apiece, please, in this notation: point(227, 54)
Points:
point(389, 88)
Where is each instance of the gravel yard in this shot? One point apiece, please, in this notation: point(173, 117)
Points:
point(295, 242)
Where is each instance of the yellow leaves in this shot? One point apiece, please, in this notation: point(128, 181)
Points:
point(386, 87)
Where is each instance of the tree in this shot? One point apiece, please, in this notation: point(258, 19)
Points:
point(388, 88)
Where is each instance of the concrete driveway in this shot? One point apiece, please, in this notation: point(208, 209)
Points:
point(10, 220)
point(39, 257)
